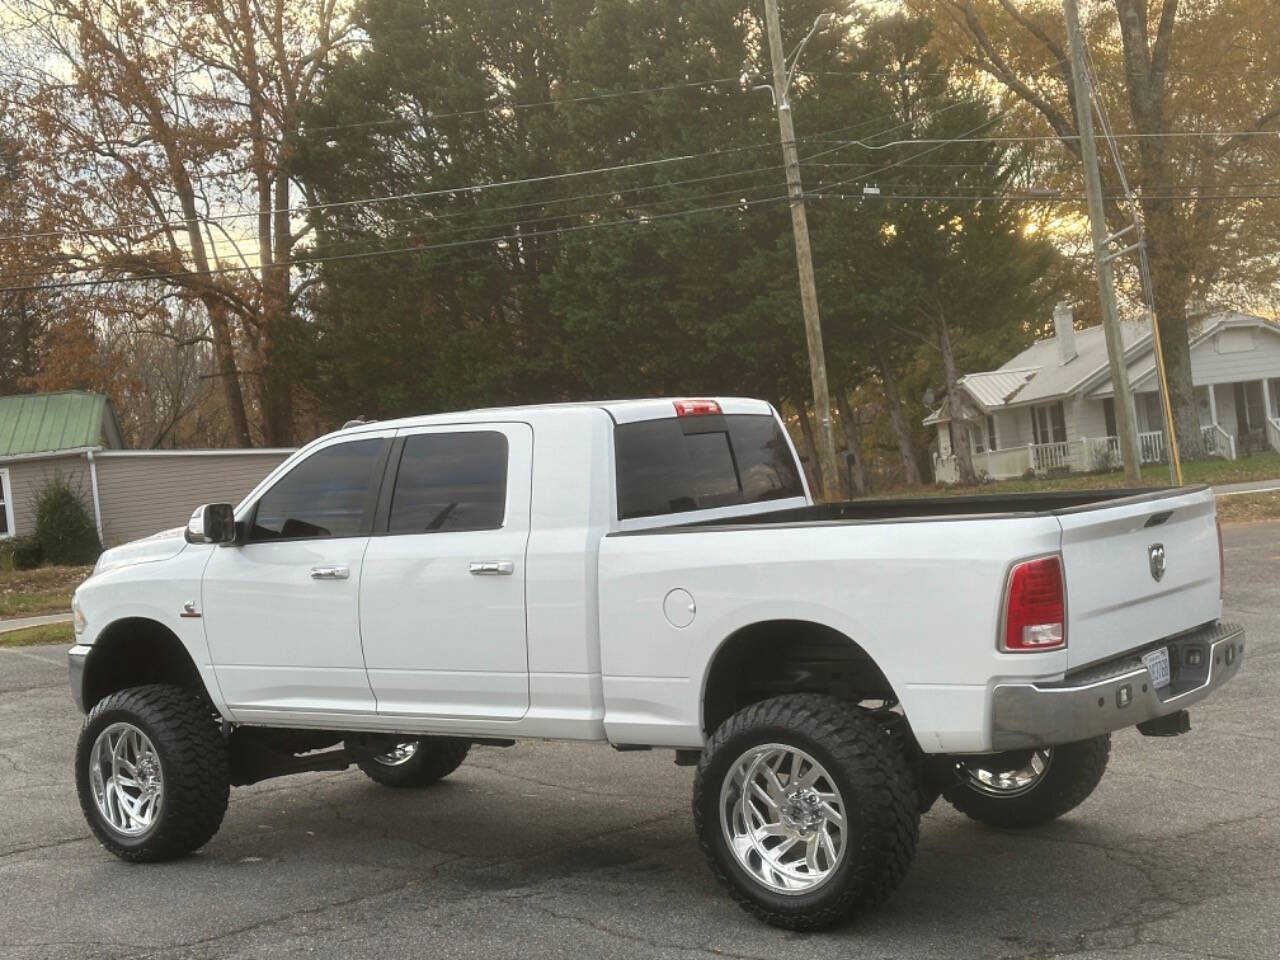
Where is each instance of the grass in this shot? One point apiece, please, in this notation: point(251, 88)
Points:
point(32, 636)
point(1248, 507)
point(28, 593)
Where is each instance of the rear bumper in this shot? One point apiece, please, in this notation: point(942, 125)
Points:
point(1089, 703)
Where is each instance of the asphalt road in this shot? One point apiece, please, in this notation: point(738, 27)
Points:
point(561, 850)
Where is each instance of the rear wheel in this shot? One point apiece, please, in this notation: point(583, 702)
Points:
point(1024, 788)
point(416, 763)
point(805, 810)
point(152, 772)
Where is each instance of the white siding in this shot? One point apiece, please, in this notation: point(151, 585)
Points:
point(1085, 418)
point(1208, 365)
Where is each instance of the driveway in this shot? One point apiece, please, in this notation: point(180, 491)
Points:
point(575, 851)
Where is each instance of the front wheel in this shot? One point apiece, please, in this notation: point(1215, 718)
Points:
point(416, 763)
point(1025, 788)
point(805, 810)
point(152, 772)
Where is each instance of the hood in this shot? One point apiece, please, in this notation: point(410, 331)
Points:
point(158, 546)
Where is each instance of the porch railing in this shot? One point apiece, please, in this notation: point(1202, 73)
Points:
point(1273, 433)
point(1218, 442)
point(1051, 456)
point(1151, 446)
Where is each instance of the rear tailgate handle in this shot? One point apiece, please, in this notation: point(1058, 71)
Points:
point(492, 568)
point(333, 572)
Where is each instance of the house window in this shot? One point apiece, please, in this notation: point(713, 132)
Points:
point(1049, 423)
point(984, 435)
point(6, 506)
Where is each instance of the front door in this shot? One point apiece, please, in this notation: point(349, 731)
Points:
point(281, 610)
point(442, 591)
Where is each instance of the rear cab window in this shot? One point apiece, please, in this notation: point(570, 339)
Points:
point(679, 464)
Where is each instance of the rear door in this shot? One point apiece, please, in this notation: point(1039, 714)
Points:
point(1137, 571)
point(442, 607)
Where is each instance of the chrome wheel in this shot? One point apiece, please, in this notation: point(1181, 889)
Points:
point(399, 754)
point(783, 818)
point(126, 779)
point(1008, 775)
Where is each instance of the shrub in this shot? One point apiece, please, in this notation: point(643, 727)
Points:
point(64, 528)
point(26, 553)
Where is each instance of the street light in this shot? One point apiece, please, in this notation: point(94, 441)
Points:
point(782, 76)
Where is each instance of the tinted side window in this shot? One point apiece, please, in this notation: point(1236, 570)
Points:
point(324, 496)
point(450, 482)
point(678, 464)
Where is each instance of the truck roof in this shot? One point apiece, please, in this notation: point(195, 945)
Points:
point(622, 411)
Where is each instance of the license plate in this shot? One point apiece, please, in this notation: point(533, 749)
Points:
point(1157, 664)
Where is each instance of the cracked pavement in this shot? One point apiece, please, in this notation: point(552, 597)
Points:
point(573, 850)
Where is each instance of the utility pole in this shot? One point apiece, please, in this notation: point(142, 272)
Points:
point(804, 257)
point(1126, 421)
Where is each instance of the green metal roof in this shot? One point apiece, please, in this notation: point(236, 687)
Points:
point(55, 421)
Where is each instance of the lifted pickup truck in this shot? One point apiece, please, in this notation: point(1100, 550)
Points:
point(652, 574)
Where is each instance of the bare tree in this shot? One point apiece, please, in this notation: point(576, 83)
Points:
point(151, 125)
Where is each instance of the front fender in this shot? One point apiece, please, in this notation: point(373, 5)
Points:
point(157, 591)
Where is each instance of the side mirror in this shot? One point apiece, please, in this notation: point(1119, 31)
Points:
point(212, 523)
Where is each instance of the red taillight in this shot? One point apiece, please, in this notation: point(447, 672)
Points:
point(1222, 563)
point(1035, 607)
point(696, 408)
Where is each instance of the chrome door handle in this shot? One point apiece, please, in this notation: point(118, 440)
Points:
point(492, 568)
point(333, 572)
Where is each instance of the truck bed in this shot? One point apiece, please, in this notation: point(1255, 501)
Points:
point(933, 508)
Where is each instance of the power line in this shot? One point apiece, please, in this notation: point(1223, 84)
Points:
point(417, 248)
point(1056, 139)
point(356, 242)
point(471, 188)
point(938, 145)
point(431, 117)
point(467, 188)
point(821, 193)
point(500, 107)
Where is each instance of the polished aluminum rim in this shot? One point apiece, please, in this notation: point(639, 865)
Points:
point(783, 818)
point(1009, 779)
point(126, 779)
point(400, 753)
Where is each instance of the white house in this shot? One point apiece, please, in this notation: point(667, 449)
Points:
point(1051, 406)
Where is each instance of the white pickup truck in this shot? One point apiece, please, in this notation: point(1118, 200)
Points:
point(652, 574)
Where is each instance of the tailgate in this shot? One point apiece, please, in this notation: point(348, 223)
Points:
point(1138, 570)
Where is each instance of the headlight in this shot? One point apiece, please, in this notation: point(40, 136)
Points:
point(77, 615)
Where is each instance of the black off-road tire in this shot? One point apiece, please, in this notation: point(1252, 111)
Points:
point(1075, 769)
point(880, 800)
point(181, 725)
point(435, 759)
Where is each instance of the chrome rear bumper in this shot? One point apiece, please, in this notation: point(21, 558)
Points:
point(1116, 693)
